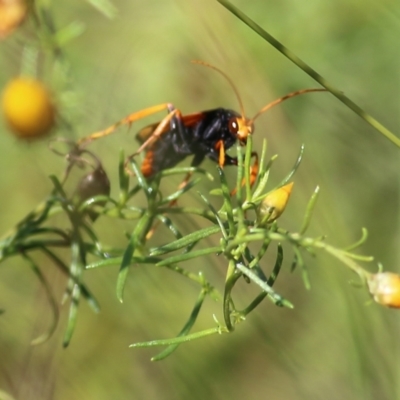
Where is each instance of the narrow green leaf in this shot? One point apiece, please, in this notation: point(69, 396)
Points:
point(247, 167)
point(245, 239)
point(188, 256)
point(217, 217)
point(277, 266)
point(309, 211)
point(84, 290)
point(257, 197)
point(133, 191)
point(76, 270)
point(275, 297)
point(118, 261)
point(124, 269)
point(123, 179)
point(227, 200)
point(300, 262)
point(253, 261)
point(186, 328)
point(142, 181)
point(52, 302)
point(295, 167)
point(358, 257)
point(186, 170)
point(174, 196)
point(240, 173)
point(361, 241)
point(185, 241)
point(181, 339)
point(170, 225)
point(72, 315)
point(105, 263)
point(215, 192)
point(262, 182)
point(263, 157)
point(270, 281)
point(243, 177)
point(297, 260)
point(232, 276)
point(201, 212)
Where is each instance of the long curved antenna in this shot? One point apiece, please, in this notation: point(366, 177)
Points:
point(228, 79)
point(283, 98)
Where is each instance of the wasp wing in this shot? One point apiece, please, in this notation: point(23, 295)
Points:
point(187, 121)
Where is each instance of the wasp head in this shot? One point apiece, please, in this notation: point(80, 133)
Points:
point(241, 128)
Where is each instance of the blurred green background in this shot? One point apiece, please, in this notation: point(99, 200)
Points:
point(332, 345)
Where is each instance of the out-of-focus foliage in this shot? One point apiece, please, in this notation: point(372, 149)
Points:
point(142, 57)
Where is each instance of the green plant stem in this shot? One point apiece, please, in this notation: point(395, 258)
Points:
point(182, 339)
point(311, 72)
point(188, 256)
point(345, 257)
point(187, 327)
point(276, 298)
point(231, 278)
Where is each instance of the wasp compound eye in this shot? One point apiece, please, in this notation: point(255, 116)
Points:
point(93, 184)
point(240, 128)
point(233, 126)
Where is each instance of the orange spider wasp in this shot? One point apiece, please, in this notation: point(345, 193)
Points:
point(203, 134)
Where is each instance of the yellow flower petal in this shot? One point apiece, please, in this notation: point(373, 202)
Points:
point(274, 203)
point(385, 288)
point(28, 108)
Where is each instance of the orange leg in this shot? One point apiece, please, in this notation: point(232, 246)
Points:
point(221, 158)
point(126, 121)
point(253, 173)
point(161, 128)
point(253, 169)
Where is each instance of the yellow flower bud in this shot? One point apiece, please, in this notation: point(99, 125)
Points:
point(28, 108)
point(385, 288)
point(12, 13)
point(274, 203)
